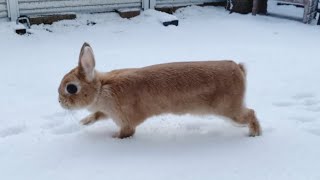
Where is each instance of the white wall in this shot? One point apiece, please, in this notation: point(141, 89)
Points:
point(3, 9)
point(29, 7)
point(37, 7)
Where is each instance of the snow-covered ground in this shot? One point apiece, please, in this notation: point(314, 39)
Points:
point(41, 141)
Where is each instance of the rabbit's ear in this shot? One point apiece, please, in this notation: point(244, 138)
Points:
point(87, 62)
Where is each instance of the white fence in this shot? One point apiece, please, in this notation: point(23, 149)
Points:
point(3, 9)
point(16, 8)
point(166, 3)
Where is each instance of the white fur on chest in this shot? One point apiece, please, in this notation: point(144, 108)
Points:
point(107, 104)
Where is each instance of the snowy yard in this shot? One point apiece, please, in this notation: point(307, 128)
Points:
point(41, 141)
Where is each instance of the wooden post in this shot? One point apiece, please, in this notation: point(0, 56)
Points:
point(13, 9)
point(262, 6)
point(318, 12)
point(152, 4)
point(306, 11)
point(259, 7)
point(145, 4)
point(255, 7)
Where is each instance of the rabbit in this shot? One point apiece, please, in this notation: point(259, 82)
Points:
point(130, 96)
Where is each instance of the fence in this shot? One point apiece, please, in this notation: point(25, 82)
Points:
point(15, 8)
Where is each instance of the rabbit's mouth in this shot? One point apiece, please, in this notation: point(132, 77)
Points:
point(68, 105)
point(63, 105)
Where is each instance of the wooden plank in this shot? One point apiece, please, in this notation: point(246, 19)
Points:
point(3, 7)
point(86, 9)
point(128, 12)
point(255, 7)
point(49, 19)
point(305, 14)
point(3, 14)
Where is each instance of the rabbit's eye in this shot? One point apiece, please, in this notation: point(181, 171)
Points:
point(72, 89)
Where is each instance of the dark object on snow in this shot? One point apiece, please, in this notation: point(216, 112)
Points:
point(24, 20)
point(240, 6)
point(174, 22)
point(22, 24)
point(169, 10)
point(318, 11)
point(91, 23)
point(247, 6)
point(21, 31)
point(49, 30)
point(259, 7)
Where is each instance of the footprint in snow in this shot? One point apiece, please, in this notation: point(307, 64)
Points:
point(307, 101)
point(283, 104)
point(53, 121)
point(310, 102)
point(314, 131)
point(10, 131)
point(313, 109)
point(52, 124)
point(302, 119)
point(67, 129)
point(55, 116)
point(193, 127)
point(57, 121)
point(61, 123)
point(305, 95)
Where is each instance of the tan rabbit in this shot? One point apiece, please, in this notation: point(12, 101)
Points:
point(130, 96)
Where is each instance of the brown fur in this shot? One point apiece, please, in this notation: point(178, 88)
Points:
point(130, 96)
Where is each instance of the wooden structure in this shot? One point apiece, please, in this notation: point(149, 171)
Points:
point(247, 6)
point(318, 10)
point(3, 9)
point(15, 8)
point(260, 7)
point(310, 8)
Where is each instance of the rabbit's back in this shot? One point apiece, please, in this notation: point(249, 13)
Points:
point(185, 87)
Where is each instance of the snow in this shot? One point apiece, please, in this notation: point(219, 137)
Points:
point(20, 26)
point(39, 140)
point(161, 16)
point(129, 9)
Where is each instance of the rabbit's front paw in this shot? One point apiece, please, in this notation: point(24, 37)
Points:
point(88, 120)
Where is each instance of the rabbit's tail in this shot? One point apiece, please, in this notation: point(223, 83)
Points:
point(243, 68)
